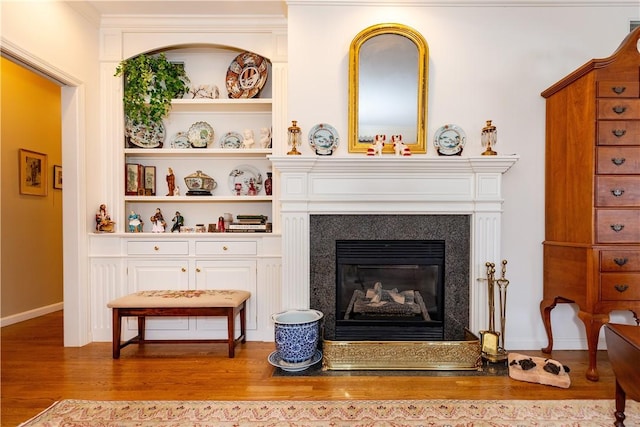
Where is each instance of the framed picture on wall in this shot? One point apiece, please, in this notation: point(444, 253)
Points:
point(149, 180)
point(133, 179)
point(57, 177)
point(33, 173)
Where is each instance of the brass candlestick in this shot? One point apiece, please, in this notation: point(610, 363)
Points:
point(489, 138)
point(294, 138)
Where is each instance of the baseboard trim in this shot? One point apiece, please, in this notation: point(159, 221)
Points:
point(31, 314)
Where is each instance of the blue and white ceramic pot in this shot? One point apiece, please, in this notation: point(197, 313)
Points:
point(297, 333)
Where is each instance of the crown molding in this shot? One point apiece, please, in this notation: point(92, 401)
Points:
point(466, 3)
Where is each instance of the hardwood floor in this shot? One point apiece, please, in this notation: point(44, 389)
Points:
point(37, 371)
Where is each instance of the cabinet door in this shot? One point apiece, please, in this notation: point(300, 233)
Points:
point(227, 274)
point(153, 274)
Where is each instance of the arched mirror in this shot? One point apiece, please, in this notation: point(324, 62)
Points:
point(388, 80)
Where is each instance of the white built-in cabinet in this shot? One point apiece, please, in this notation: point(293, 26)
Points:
point(123, 262)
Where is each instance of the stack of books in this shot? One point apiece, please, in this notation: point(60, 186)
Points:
point(250, 223)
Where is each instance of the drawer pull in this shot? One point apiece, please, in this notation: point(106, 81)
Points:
point(618, 161)
point(224, 248)
point(620, 261)
point(619, 109)
point(621, 288)
point(617, 192)
point(617, 227)
point(198, 270)
point(156, 248)
point(619, 132)
point(618, 89)
point(183, 269)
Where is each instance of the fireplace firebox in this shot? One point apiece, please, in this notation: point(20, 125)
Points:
point(390, 290)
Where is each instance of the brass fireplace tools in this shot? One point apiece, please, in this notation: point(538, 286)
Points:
point(492, 341)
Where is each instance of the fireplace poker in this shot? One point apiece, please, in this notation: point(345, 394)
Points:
point(502, 289)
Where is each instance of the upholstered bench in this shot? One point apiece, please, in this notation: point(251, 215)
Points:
point(162, 303)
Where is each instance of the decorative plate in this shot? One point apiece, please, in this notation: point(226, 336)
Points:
point(246, 75)
point(449, 140)
point(324, 139)
point(231, 140)
point(143, 136)
point(200, 134)
point(243, 179)
point(276, 360)
point(180, 140)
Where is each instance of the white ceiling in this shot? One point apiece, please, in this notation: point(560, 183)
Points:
point(191, 7)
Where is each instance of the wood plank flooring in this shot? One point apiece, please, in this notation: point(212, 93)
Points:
point(37, 371)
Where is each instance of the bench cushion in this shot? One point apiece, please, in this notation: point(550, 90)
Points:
point(178, 298)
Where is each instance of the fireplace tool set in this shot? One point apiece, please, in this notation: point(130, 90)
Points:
point(493, 341)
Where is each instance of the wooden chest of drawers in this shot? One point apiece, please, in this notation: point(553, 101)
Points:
point(592, 191)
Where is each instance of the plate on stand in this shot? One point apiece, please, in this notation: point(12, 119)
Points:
point(276, 360)
point(449, 140)
point(324, 139)
point(231, 140)
point(246, 75)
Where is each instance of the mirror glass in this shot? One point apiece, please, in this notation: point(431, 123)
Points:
point(387, 87)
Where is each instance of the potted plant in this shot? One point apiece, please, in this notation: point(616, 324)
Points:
point(150, 83)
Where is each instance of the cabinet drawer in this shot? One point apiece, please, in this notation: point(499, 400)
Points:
point(619, 109)
point(618, 160)
point(618, 191)
point(617, 226)
point(151, 247)
point(619, 132)
point(618, 89)
point(620, 286)
point(226, 248)
point(620, 261)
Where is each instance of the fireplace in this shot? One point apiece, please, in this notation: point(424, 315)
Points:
point(389, 290)
point(415, 197)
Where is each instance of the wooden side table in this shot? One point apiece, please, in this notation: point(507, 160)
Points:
point(623, 348)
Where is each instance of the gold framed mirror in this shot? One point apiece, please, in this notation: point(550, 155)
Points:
point(388, 81)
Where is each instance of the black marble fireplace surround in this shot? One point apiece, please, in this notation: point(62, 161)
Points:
point(454, 230)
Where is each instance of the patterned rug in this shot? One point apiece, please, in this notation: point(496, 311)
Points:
point(378, 413)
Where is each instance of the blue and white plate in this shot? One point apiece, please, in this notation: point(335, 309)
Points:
point(231, 140)
point(276, 360)
point(449, 140)
point(324, 139)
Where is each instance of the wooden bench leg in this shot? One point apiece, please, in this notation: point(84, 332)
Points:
point(243, 322)
point(141, 327)
point(117, 331)
point(231, 323)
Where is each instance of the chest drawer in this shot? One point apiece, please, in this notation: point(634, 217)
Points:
point(619, 109)
point(619, 132)
point(618, 191)
point(226, 248)
point(620, 286)
point(150, 247)
point(617, 225)
point(618, 89)
point(618, 160)
point(620, 261)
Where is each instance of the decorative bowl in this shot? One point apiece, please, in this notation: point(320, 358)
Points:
point(297, 333)
point(200, 183)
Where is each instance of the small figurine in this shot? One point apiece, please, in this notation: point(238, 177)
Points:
point(248, 140)
point(103, 220)
point(158, 222)
point(221, 227)
point(376, 146)
point(178, 221)
point(400, 148)
point(265, 137)
point(252, 188)
point(171, 182)
point(177, 191)
point(135, 223)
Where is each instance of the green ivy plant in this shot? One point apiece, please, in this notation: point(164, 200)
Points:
point(150, 83)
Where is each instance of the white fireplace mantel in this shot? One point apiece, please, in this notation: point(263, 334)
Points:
point(390, 185)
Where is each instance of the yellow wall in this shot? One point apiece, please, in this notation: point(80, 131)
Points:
point(31, 231)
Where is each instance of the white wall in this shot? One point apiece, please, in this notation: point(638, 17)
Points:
point(485, 63)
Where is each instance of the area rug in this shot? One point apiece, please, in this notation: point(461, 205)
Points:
point(358, 413)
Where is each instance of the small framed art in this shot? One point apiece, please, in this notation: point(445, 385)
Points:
point(149, 180)
point(57, 177)
point(133, 179)
point(33, 173)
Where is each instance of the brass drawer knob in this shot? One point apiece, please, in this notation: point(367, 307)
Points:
point(618, 161)
point(617, 227)
point(198, 270)
point(621, 288)
point(183, 269)
point(224, 248)
point(618, 90)
point(619, 132)
point(620, 261)
point(619, 109)
point(156, 248)
point(617, 192)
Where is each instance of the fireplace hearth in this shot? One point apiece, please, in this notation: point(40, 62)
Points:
point(389, 290)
